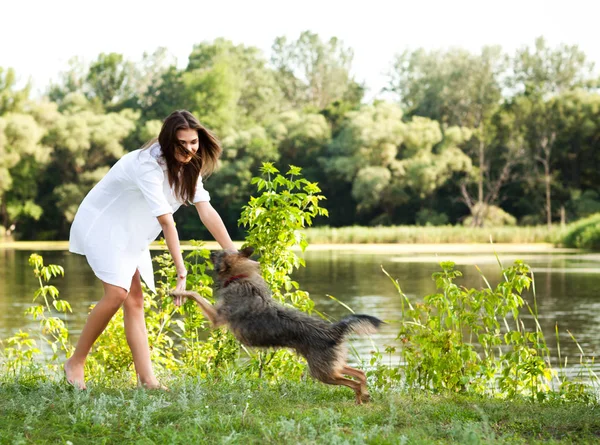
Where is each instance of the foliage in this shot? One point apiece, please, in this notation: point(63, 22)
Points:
point(584, 234)
point(12, 99)
point(18, 356)
point(491, 216)
point(428, 217)
point(22, 157)
point(462, 130)
point(584, 204)
point(312, 72)
point(476, 341)
point(275, 220)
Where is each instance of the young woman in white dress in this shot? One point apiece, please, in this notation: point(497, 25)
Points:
point(124, 213)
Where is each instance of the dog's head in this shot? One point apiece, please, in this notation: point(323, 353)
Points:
point(230, 263)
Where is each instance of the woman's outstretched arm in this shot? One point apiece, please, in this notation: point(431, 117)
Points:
point(213, 222)
point(172, 239)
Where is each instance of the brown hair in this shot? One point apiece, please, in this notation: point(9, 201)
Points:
point(184, 177)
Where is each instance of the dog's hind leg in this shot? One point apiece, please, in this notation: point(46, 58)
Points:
point(337, 379)
point(362, 378)
point(359, 374)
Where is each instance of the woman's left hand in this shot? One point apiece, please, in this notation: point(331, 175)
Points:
point(181, 283)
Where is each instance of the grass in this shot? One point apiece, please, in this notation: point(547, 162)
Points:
point(221, 411)
point(429, 235)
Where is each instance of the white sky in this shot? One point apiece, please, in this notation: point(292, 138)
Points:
point(37, 38)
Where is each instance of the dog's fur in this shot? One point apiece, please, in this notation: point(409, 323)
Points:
point(245, 305)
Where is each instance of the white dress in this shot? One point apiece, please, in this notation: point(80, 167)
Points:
point(117, 220)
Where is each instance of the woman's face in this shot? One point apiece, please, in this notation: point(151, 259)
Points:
point(187, 140)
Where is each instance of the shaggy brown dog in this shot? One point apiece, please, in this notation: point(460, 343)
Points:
point(245, 305)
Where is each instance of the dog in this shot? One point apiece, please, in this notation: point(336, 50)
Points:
point(245, 305)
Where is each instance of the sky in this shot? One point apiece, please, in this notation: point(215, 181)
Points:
point(37, 38)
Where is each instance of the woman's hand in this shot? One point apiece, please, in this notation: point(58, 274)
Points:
point(181, 282)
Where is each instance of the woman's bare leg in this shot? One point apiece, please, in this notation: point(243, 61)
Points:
point(137, 335)
point(113, 298)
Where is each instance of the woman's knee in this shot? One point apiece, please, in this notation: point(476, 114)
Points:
point(116, 295)
point(135, 299)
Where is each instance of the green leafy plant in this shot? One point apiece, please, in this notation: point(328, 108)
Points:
point(474, 340)
point(274, 220)
point(50, 311)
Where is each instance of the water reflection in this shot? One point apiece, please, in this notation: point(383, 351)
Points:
point(565, 289)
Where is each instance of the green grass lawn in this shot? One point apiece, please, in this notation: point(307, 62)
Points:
point(197, 411)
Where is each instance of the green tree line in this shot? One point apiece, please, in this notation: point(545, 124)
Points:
point(461, 138)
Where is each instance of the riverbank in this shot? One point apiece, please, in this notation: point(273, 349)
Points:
point(253, 411)
point(445, 237)
point(400, 248)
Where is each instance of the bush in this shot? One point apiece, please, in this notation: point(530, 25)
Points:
point(584, 234)
point(583, 204)
point(492, 216)
point(429, 217)
point(476, 341)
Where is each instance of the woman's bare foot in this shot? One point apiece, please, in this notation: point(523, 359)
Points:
point(74, 374)
point(152, 383)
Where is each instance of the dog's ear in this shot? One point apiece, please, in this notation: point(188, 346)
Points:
point(247, 251)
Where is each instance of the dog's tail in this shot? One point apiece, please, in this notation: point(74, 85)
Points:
point(357, 323)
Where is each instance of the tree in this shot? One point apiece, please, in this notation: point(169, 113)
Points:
point(21, 157)
point(110, 79)
point(86, 144)
point(508, 150)
point(386, 163)
point(148, 76)
point(428, 159)
point(577, 144)
point(540, 130)
point(71, 81)
point(230, 85)
point(312, 72)
point(21, 152)
point(301, 139)
point(168, 94)
point(456, 88)
point(540, 75)
point(12, 99)
point(548, 71)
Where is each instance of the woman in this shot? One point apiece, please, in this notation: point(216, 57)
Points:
point(124, 213)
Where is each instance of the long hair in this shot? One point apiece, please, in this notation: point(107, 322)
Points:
point(184, 177)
